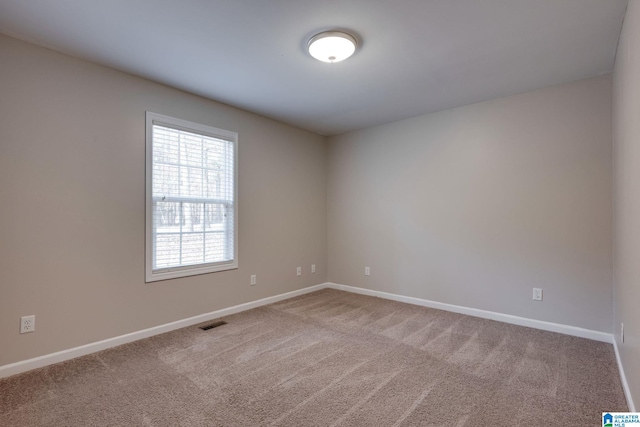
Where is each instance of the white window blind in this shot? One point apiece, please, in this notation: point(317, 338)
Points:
point(192, 202)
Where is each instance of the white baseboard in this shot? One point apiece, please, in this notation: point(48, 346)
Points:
point(623, 378)
point(506, 318)
point(61, 356)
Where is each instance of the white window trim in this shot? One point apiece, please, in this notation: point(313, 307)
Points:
point(184, 271)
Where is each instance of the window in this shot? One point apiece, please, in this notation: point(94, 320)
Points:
point(191, 222)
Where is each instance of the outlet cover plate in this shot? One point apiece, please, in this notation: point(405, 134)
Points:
point(537, 294)
point(27, 324)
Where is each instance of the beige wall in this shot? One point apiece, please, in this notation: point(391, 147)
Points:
point(478, 205)
point(72, 199)
point(626, 131)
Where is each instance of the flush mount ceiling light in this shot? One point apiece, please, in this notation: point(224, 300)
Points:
point(332, 46)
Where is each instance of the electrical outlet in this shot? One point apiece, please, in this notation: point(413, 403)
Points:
point(27, 324)
point(537, 294)
point(253, 280)
point(299, 271)
point(367, 271)
point(622, 332)
point(313, 268)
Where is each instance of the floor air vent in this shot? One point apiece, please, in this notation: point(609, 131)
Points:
point(213, 325)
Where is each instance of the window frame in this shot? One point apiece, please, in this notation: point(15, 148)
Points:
point(196, 269)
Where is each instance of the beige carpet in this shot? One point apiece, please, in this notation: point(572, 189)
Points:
point(329, 358)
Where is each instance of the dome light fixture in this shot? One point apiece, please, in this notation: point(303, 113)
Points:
point(332, 46)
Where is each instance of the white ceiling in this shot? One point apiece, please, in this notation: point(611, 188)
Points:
point(415, 56)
